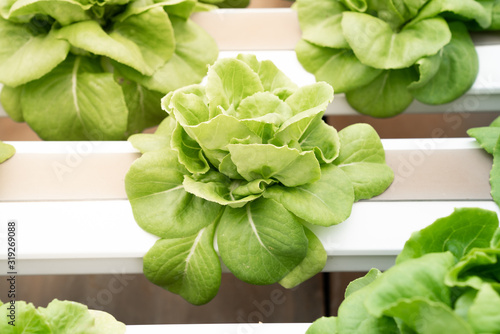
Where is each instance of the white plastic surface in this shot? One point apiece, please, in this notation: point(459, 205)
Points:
point(87, 235)
point(99, 237)
point(244, 328)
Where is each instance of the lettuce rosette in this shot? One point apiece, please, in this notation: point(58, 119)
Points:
point(77, 70)
point(60, 316)
point(445, 280)
point(385, 54)
point(247, 160)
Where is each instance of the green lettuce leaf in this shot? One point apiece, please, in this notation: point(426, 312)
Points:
point(262, 242)
point(486, 136)
point(320, 22)
point(318, 203)
point(376, 44)
point(105, 323)
point(464, 9)
point(144, 52)
point(155, 181)
point(479, 266)
point(68, 317)
point(323, 325)
point(144, 109)
point(218, 188)
point(266, 161)
point(6, 151)
point(27, 319)
point(386, 96)
point(230, 81)
point(188, 266)
point(361, 282)
point(10, 99)
point(190, 153)
point(146, 142)
point(362, 159)
point(425, 316)
point(353, 315)
point(459, 233)
point(339, 67)
point(483, 313)
point(457, 71)
point(18, 45)
point(273, 79)
point(186, 66)
point(495, 174)
point(423, 276)
point(312, 264)
point(65, 12)
point(81, 101)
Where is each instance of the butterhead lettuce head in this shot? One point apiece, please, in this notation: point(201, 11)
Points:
point(247, 158)
point(79, 70)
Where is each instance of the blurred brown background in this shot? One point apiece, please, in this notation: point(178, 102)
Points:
point(136, 301)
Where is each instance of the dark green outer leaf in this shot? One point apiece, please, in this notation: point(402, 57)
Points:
point(427, 68)
point(376, 44)
point(479, 266)
point(144, 110)
point(261, 242)
point(457, 71)
point(463, 230)
point(339, 67)
point(467, 9)
point(386, 96)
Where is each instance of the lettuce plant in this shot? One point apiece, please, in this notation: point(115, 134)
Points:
point(489, 139)
point(247, 160)
point(446, 280)
point(76, 70)
point(384, 54)
point(6, 151)
point(58, 317)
